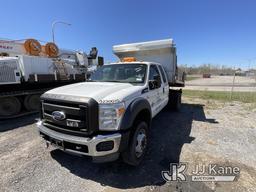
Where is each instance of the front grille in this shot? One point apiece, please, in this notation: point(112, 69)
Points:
point(76, 120)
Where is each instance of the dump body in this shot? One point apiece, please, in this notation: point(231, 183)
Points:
point(161, 51)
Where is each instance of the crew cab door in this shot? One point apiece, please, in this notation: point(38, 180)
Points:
point(155, 89)
point(165, 88)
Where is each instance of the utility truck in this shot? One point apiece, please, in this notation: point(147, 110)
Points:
point(110, 116)
point(28, 69)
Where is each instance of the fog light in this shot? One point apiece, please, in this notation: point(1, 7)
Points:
point(105, 146)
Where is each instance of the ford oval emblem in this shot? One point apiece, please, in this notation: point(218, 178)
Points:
point(58, 115)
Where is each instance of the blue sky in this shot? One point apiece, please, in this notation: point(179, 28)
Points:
point(220, 32)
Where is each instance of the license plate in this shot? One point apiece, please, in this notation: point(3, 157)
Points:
point(72, 123)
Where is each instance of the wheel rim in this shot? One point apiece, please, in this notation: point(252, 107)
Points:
point(141, 143)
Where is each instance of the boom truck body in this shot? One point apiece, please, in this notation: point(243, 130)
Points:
point(27, 69)
point(110, 115)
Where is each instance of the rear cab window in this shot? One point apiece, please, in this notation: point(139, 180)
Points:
point(162, 73)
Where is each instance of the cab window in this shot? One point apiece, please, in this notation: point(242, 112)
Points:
point(154, 77)
point(153, 72)
point(162, 73)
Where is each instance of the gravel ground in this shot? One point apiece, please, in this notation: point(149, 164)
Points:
point(202, 132)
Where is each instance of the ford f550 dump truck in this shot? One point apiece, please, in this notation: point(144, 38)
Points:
point(111, 115)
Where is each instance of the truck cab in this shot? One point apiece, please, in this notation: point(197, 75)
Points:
point(108, 116)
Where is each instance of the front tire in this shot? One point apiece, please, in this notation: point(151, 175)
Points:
point(137, 145)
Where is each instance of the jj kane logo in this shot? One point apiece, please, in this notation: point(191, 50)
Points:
point(176, 173)
point(201, 172)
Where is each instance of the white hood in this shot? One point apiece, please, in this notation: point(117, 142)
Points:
point(99, 90)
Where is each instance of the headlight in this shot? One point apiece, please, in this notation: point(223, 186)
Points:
point(110, 116)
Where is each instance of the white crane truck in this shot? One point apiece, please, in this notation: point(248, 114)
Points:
point(111, 114)
point(28, 69)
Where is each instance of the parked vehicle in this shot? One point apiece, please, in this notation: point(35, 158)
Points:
point(111, 114)
point(28, 69)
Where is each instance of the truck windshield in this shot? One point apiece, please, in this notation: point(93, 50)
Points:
point(124, 73)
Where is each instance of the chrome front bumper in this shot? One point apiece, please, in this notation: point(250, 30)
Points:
point(91, 143)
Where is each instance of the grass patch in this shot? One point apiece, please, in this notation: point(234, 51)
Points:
point(246, 97)
point(190, 78)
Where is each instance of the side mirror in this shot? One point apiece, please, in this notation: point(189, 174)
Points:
point(151, 84)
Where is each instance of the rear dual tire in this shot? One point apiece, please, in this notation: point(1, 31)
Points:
point(174, 100)
point(32, 102)
point(9, 106)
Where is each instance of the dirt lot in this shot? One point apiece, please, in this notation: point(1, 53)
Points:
point(203, 132)
point(222, 83)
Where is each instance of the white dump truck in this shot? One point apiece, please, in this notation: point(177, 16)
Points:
point(111, 114)
point(27, 69)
